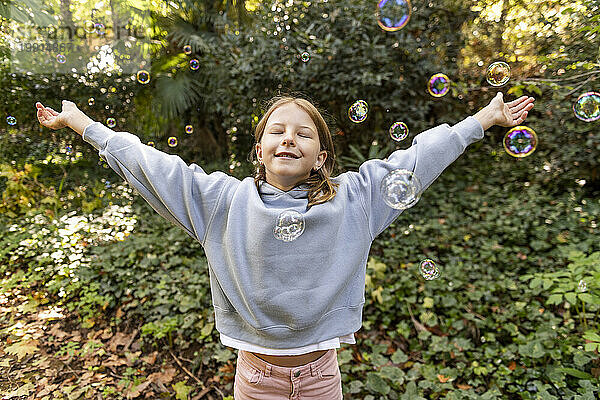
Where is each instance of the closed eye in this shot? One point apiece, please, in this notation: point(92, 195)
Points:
point(277, 133)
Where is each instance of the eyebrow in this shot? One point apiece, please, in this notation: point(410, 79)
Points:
point(281, 124)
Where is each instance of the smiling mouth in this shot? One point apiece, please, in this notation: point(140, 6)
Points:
point(285, 156)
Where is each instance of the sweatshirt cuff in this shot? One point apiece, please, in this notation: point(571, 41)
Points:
point(97, 135)
point(470, 129)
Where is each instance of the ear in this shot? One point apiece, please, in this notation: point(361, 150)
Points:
point(258, 149)
point(321, 157)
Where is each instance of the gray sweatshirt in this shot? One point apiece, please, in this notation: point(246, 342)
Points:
point(266, 291)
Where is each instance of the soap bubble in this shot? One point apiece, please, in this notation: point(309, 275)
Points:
point(151, 144)
point(11, 120)
point(187, 49)
point(429, 270)
point(439, 85)
point(111, 122)
point(289, 226)
point(400, 189)
point(358, 111)
point(143, 76)
point(398, 131)
point(91, 101)
point(393, 15)
point(498, 73)
point(194, 64)
point(68, 149)
point(520, 141)
point(587, 107)
point(100, 29)
point(61, 58)
point(172, 141)
point(189, 129)
point(582, 286)
point(89, 26)
point(305, 57)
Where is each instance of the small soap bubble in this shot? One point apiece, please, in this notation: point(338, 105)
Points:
point(194, 64)
point(11, 120)
point(439, 85)
point(107, 185)
point(393, 15)
point(398, 131)
point(429, 269)
point(520, 141)
point(400, 189)
point(187, 49)
point(305, 57)
point(151, 144)
point(587, 107)
point(61, 58)
point(582, 286)
point(68, 149)
point(498, 73)
point(289, 226)
point(143, 76)
point(89, 26)
point(111, 122)
point(189, 129)
point(358, 111)
point(172, 141)
point(100, 29)
point(91, 101)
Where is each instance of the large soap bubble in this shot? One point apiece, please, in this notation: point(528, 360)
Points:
point(587, 107)
point(393, 15)
point(289, 226)
point(398, 131)
point(498, 73)
point(439, 85)
point(520, 141)
point(400, 189)
point(429, 269)
point(358, 111)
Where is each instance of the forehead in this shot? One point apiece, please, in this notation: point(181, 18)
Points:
point(291, 114)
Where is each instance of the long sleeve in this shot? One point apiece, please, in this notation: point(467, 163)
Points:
point(430, 153)
point(184, 195)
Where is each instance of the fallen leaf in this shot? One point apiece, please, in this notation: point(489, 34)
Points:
point(151, 358)
point(137, 390)
point(163, 377)
point(463, 386)
point(512, 365)
point(119, 339)
point(21, 349)
point(23, 390)
point(443, 379)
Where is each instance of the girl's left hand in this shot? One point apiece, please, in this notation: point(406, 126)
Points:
point(512, 113)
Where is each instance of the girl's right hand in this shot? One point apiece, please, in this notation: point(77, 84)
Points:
point(52, 119)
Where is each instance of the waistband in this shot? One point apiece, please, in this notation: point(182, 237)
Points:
point(312, 368)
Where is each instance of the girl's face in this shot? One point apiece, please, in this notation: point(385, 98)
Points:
point(289, 129)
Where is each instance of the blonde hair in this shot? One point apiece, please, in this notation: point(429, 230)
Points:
point(321, 189)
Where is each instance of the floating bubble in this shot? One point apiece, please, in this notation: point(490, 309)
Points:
point(11, 120)
point(429, 269)
point(91, 101)
point(498, 73)
point(111, 122)
point(100, 29)
point(89, 26)
point(439, 85)
point(358, 111)
point(68, 149)
point(107, 185)
point(305, 57)
point(393, 15)
point(151, 144)
point(400, 189)
point(582, 286)
point(61, 58)
point(289, 226)
point(187, 49)
point(520, 141)
point(172, 141)
point(587, 107)
point(194, 64)
point(398, 131)
point(189, 129)
point(143, 76)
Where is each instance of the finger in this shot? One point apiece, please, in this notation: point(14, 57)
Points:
point(524, 108)
point(520, 106)
point(51, 111)
point(521, 118)
point(39, 105)
point(519, 101)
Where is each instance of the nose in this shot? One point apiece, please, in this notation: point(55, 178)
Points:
point(288, 139)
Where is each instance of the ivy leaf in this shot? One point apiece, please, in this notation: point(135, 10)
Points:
point(376, 383)
point(182, 390)
point(571, 297)
point(554, 299)
point(22, 348)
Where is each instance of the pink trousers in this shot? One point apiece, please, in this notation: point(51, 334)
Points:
point(256, 379)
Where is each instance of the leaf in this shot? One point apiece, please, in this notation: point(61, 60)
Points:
point(21, 391)
point(571, 297)
point(442, 378)
point(576, 373)
point(182, 390)
point(554, 299)
point(22, 348)
point(591, 335)
point(376, 383)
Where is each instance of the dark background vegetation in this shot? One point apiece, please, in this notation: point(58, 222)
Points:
point(513, 237)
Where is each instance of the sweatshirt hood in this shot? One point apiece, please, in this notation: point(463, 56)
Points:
point(297, 192)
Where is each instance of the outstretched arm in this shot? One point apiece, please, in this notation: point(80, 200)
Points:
point(504, 114)
point(70, 116)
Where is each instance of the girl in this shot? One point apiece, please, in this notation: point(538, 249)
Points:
point(286, 303)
